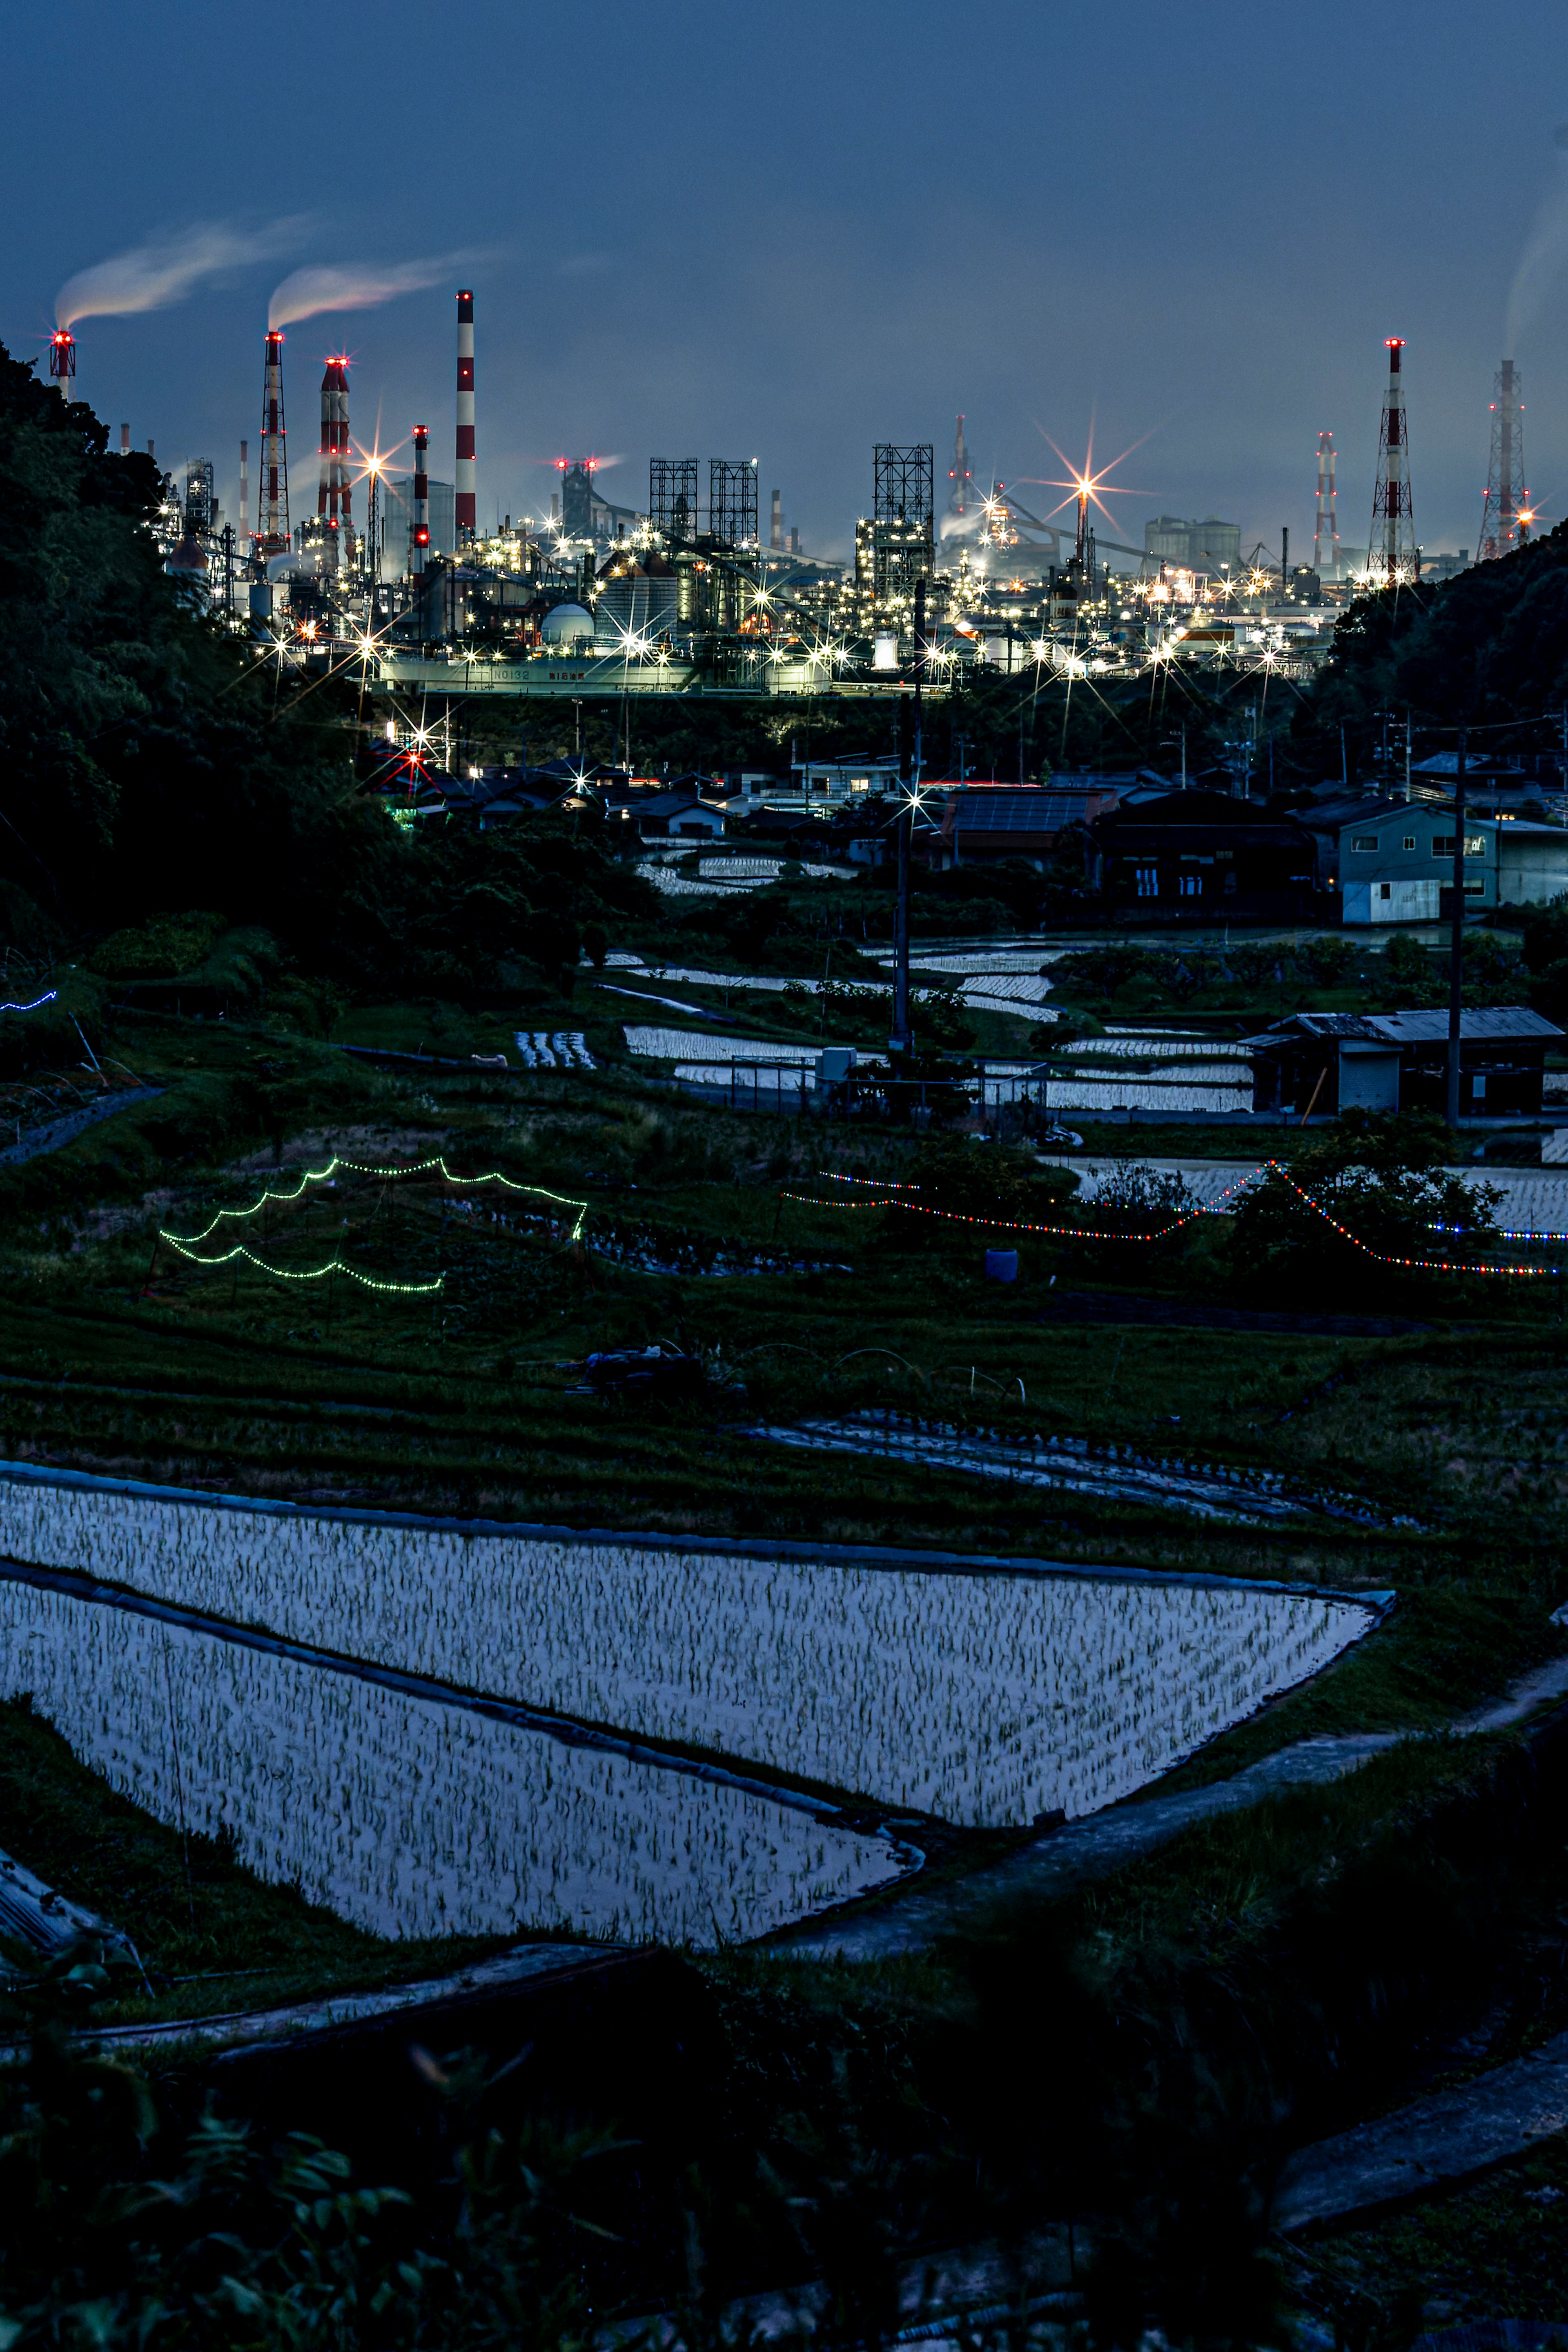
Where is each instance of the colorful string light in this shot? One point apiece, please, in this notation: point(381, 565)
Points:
point(1204, 1209)
point(889, 1184)
point(361, 1168)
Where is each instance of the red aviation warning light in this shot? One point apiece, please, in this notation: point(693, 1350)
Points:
point(272, 496)
point(421, 500)
point(62, 359)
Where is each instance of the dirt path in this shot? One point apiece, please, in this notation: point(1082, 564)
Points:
point(54, 1132)
point(1102, 1843)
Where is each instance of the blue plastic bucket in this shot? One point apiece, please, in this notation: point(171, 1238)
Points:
point(1001, 1265)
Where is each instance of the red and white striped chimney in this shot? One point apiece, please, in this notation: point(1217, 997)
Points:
point(334, 495)
point(62, 361)
point(421, 502)
point(467, 503)
point(272, 492)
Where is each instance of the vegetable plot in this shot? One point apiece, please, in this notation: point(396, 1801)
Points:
point(408, 1816)
point(987, 1697)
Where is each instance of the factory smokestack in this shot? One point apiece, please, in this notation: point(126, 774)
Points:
point(272, 497)
point(1326, 537)
point(775, 524)
point(125, 440)
point(62, 361)
point(468, 484)
point(244, 490)
point(1507, 499)
point(334, 493)
point(421, 500)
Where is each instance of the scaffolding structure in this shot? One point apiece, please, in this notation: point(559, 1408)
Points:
point(201, 504)
point(1507, 499)
point(732, 500)
point(672, 496)
point(903, 482)
point(895, 546)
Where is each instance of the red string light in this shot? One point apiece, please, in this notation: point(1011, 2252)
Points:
point(1204, 1209)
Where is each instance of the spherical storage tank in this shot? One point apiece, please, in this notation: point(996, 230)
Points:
point(566, 624)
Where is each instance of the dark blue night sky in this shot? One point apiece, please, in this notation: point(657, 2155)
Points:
point(789, 232)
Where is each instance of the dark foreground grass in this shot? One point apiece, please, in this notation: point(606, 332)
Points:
point(1497, 2248)
point(212, 1935)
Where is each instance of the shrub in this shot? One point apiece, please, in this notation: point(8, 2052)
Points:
point(164, 948)
point(1379, 1176)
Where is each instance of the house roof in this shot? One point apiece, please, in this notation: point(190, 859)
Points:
point(1481, 1021)
point(1350, 808)
point(1194, 811)
point(1022, 808)
point(667, 803)
point(1477, 1024)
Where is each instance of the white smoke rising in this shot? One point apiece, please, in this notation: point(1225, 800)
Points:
point(355, 286)
point(1545, 254)
point(150, 276)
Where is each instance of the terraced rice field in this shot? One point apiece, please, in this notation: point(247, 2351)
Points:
point(982, 1695)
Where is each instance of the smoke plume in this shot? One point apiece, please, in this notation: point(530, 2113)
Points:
point(352, 287)
point(1545, 253)
point(150, 276)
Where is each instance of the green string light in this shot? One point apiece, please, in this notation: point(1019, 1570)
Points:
point(312, 1274)
point(362, 1167)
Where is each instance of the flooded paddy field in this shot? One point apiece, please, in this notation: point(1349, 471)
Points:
point(979, 1692)
point(407, 1812)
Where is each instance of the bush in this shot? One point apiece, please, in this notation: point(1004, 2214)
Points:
point(1381, 1187)
point(164, 948)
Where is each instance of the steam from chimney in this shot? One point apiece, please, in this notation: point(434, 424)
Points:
point(361, 286)
point(150, 276)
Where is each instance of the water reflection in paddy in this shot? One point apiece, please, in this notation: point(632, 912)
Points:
point(406, 1815)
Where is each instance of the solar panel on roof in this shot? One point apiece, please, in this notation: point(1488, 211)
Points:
point(1024, 812)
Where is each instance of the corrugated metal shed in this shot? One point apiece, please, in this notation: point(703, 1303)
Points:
point(1491, 1021)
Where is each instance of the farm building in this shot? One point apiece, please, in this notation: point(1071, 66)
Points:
point(1330, 1061)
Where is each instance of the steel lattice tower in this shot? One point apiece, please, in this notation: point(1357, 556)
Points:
point(732, 500)
point(1507, 497)
point(672, 496)
point(1326, 537)
point(1390, 556)
point(901, 482)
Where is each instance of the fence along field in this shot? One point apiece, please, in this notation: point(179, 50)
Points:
point(983, 1697)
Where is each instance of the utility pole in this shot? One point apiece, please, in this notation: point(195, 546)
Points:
point(1455, 965)
point(901, 1039)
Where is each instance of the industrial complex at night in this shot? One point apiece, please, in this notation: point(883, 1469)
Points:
point(377, 559)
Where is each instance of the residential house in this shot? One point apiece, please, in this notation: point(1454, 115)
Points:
point(983, 823)
point(1201, 857)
